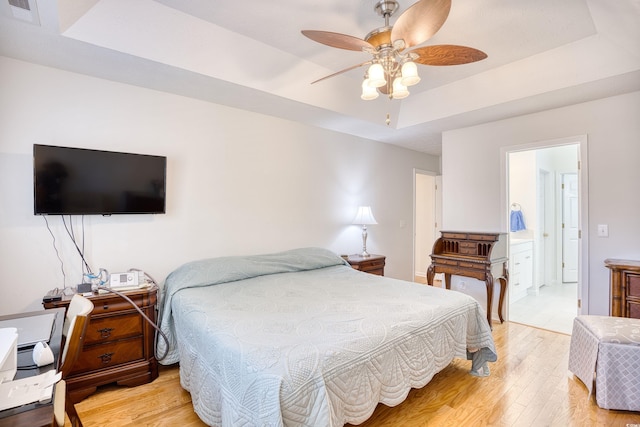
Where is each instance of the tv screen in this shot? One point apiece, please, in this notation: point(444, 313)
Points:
point(77, 181)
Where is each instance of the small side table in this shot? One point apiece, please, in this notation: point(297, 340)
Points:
point(119, 344)
point(373, 264)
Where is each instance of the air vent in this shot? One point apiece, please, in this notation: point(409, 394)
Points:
point(22, 4)
point(24, 10)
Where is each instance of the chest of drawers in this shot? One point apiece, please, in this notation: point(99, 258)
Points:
point(625, 287)
point(119, 345)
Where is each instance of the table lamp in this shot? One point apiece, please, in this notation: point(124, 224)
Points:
point(364, 217)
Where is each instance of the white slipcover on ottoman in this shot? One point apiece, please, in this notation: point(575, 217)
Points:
point(610, 348)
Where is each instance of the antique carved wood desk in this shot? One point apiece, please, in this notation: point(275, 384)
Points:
point(482, 256)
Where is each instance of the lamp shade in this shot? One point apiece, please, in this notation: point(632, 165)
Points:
point(364, 216)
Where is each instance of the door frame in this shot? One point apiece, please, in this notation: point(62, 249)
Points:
point(583, 250)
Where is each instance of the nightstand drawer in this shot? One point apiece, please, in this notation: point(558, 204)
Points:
point(373, 264)
point(368, 265)
point(113, 328)
point(115, 303)
point(105, 355)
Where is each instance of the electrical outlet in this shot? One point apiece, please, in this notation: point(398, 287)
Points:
point(462, 285)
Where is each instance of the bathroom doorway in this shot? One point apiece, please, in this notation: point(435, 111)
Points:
point(543, 196)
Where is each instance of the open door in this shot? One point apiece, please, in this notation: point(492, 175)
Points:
point(570, 227)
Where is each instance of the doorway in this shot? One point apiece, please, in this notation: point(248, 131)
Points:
point(427, 214)
point(544, 251)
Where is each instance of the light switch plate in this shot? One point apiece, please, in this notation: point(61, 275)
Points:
point(603, 230)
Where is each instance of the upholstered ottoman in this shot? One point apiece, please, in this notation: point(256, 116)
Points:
point(608, 348)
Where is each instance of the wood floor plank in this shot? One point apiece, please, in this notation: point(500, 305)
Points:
point(529, 385)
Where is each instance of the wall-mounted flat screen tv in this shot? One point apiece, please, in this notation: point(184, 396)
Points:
point(78, 181)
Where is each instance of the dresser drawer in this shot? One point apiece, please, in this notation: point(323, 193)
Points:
point(633, 285)
point(103, 329)
point(633, 309)
point(103, 356)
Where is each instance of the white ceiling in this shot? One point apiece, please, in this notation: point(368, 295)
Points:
point(250, 54)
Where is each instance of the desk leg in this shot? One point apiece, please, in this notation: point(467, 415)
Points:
point(504, 282)
point(489, 282)
point(503, 287)
point(431, 272)
point(447, 280)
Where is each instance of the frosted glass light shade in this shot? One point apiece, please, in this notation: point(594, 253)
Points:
point(399, 90)
point(410, 73)
point(364, 216)
point(368, 92)
point(376, 75)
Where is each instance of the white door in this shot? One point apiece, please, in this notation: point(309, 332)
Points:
point(570, 228)
point(545, 235)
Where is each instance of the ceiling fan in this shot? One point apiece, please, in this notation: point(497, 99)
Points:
point(392, 67)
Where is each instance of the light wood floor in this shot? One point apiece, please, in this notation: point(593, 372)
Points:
point(529, 386)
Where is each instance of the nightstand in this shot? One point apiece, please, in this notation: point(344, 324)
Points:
point(119, 345)
point(373, 264)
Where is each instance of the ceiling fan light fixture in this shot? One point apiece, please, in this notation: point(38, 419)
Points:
point(409, 72)
point(376, 75)
point(399, 90)
point(395, 49)
point(368, 92)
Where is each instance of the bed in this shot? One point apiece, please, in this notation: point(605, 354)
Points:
point(299, 338)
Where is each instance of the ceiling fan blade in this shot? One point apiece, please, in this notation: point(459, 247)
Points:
point(341, 41)
point(341, 71)
point(420, 21)
point(447, 54)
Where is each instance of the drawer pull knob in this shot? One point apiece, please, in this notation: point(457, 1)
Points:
point(105, 307)
point(106, 357)
point(105, 332)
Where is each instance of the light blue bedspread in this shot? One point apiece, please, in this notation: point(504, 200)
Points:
point(299, 338)
point(214, 271)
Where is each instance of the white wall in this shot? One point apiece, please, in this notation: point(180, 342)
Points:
point(522, 190)
point(238, 183)
point(471, 168)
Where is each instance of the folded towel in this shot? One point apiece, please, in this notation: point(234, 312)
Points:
point(517, 221)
